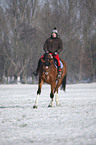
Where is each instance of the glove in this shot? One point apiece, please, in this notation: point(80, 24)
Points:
point(47, 52)
point(55, 53)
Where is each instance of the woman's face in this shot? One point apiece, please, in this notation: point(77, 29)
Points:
point(54, 35)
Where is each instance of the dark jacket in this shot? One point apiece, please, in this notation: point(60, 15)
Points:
point(53, 45)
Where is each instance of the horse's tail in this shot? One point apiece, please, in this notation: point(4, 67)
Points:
point(63, 84)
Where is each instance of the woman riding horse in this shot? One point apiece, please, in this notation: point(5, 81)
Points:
point(53, 45)
point(48, 73)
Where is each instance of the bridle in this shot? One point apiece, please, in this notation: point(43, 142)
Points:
point(45, 70)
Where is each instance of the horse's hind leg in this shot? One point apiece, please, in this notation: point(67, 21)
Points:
point(56, 98)
point(38, 93)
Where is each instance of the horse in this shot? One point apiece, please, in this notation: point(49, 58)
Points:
point(48, 73)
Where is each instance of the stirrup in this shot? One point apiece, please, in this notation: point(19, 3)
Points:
point(35, 73)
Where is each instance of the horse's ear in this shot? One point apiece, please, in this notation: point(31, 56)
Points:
point(42, 60)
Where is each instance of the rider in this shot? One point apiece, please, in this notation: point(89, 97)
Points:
point(52, 45)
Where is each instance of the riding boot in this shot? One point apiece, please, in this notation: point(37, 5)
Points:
point(37, 70)
point(59, 72)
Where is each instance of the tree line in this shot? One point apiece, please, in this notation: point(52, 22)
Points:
point(25, 25)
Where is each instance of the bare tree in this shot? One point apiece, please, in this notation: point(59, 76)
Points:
point(25, 25)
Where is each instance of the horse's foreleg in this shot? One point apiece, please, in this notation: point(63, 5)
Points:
point(36, 102)
point(56, 99)
point(51, 96)
point(38, 93)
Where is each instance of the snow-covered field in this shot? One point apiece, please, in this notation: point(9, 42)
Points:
point(73, 123)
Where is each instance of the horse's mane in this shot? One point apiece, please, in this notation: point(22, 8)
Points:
point(47, 57)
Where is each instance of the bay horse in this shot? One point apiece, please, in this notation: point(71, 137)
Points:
point(48, 73)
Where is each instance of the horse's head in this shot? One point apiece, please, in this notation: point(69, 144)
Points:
point(47, 59)
point(46, 64)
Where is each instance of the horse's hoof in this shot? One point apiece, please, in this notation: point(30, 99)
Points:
point(58, 105)
point(35, 106)
point(50, 105)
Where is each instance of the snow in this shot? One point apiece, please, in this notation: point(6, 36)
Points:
point(73, 123)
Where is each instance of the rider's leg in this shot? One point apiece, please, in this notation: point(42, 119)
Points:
point(59, 67)
point(57, 57)
point(37, 70)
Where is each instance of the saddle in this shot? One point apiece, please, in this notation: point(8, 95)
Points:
point(56, 63)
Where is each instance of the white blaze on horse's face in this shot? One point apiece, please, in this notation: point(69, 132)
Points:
point(46, 67)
